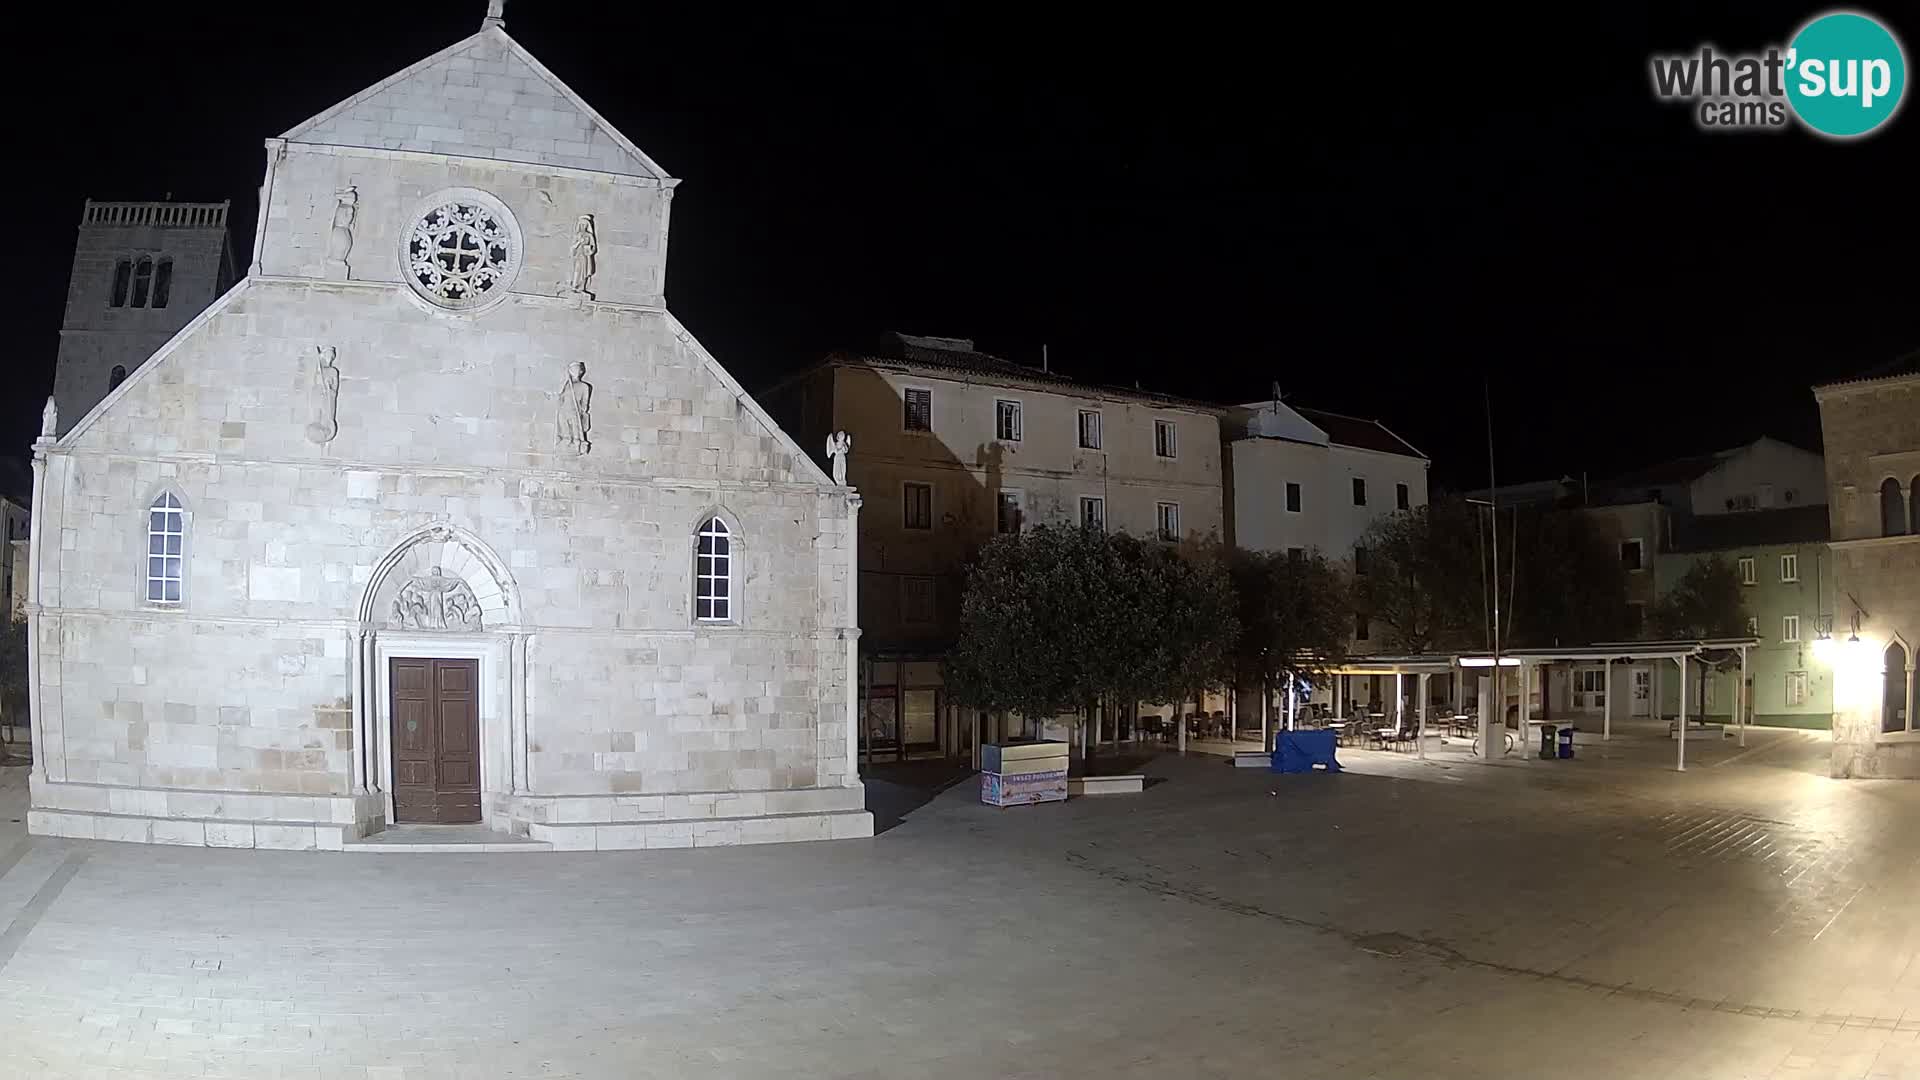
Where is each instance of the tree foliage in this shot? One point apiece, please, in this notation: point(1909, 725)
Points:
point(1569, 587)
point(1060, 616)
point(1708, 601)
point(1295, 614)
point(1425, 580)
point(1430, 569)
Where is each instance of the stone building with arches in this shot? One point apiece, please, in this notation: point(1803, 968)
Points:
point(440, 516)
point(1871, 428)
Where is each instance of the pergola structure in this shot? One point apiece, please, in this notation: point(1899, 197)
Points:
point(1680, 651)
point(1424, 666)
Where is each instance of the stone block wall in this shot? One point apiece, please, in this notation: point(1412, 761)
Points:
point(246, 685)
point(1871, 430)
point(630, 219)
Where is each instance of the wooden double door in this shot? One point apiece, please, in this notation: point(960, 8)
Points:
point(435, 711)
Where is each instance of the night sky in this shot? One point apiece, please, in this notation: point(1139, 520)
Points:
point(1376, 209)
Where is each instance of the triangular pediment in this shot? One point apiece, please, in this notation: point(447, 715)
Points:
point(484, 97)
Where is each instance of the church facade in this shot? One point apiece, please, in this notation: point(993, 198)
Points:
point(440, 516)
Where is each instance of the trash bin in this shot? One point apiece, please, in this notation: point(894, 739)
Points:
point(1546, 742)
point(1566, 742)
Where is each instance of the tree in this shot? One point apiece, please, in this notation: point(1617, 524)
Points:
point(1295, 615)
point(1059, 617)
point(1425, 578)
point(1430, 568)
point(1569, 586)
point(1706, 602)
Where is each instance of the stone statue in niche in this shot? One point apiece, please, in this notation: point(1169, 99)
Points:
point(839, 445)
point(574, 416)
point(585, 247)
point(340, 240)
point(435, 601)
point(324, 397)
point(49, 419)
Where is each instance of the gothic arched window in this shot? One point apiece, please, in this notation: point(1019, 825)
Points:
point(166, 549)
point(122, 279)
point(1893, 689)
point(162, 283)
point(142, 280)
point(115, 377)
point(713, 572)
point(1893, 508)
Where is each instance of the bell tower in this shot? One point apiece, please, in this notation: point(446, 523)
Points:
point(141, 271)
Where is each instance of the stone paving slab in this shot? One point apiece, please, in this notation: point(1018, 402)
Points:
point(1401, 919)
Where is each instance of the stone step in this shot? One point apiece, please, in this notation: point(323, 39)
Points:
point(444, 840)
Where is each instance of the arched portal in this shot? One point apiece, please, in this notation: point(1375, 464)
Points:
point(444, 552)
point(440, 664)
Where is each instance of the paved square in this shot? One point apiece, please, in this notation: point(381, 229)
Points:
point(1597, 918)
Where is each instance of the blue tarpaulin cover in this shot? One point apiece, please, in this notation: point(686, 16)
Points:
point(1297, 752)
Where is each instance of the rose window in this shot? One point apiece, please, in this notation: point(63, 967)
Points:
point(460, 254)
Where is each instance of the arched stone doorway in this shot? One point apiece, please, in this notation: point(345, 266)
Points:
point(440, 663)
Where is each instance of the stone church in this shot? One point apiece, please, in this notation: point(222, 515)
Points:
point(439, 516)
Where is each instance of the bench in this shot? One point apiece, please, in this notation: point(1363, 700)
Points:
point(1106, 785)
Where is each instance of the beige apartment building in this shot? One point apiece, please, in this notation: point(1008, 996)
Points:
point(951, 446)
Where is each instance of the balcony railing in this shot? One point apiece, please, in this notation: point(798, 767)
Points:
point(165, 215)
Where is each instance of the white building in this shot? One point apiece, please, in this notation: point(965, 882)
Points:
point(1308, 480)
point(439, 515)
point(1314, 480)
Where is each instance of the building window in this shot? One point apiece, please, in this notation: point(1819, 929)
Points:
point(1093, 512)
point(1893, 691)
point(919, 411)
point(1089, 429)
point(115, 377)
point(1361, 560)
point(1402, 498)
point(1748, 575)
point(142, 281)
point(916, 600)
point(1632, 556)
point(1165, 443)
point(1168, 516)
point(713, 572)
point(122, 281)
point(1359, 491)
point(1796, 688)
point(1893, 508)
point(918, 501)
point(162, 283)
point(1789, 568)
point(1296, 555)
point(1013, 511)
point(1590, 681)
point(1006, 421)
point(1753, 626)
point(1359, 626)
point(1293, 498)
point(166, 544)
point(1790, 628)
